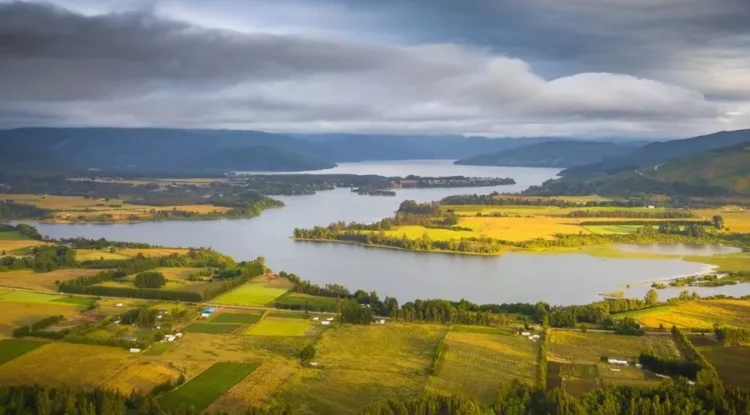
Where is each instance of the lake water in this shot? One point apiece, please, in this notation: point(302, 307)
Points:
point(678, 249)
point(515, 277)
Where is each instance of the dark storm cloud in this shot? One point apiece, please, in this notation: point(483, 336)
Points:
point(438, 67)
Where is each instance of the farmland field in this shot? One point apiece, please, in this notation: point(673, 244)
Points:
point(75, 366)
point(256, 388)
point(211, 328)
point(96, 254)
point(279, 327)
point(363, 365)
point(732, 363)
point(251, 294)
point(10, 244)
point(476, 364)
point(155, 252)
point(11, 236)
point(203, 390)
point(41, 281)
point(309, 300)
point(236, 318)
point(698, 314)
point(15, 314)
point(12, 348)
point(588, 348)
point(141, 377)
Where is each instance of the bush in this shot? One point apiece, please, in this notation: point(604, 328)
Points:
point(150, 279)
point(307, 353)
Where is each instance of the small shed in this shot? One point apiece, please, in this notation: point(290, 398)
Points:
point(178, 335)
point(617, 362)
point(118, 305)
point(329, 319)
point(170, 338)
point(525, 333)
point(325, 323)
point(316, 318)
point(381, 321)
point(135, 350)
point(207, 312)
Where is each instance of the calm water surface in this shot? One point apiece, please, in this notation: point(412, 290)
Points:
point(557, 279)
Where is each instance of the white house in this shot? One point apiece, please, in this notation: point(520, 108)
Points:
point(617, 362)
point(135, 350)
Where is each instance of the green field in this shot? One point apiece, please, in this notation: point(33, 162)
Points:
point(476, 364)
point(201, 391)
point(79, 301)
point(211, 328)
point(292, 315)
point(251, 294)
point(235, 318)
point(11, 348)
point(312, 301)
point(279, 327)
point(11, 236)
point(732, 363)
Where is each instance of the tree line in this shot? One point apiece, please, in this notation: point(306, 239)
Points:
point(496, 199)
point(635, 214)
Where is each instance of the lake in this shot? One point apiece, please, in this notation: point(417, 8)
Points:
point(515, 277)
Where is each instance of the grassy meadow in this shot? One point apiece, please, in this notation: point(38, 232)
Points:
point(279, 327)
point(362, 365)
point(11, 348)
point(731, 363)
point(41, 281)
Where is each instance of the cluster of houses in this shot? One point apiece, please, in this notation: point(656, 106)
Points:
point(532, 337)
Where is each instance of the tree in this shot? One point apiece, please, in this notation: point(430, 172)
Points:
point(718, 222)
point(150, 279)
point(307, 352)
point(652, 297)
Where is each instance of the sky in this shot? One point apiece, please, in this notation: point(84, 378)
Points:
point(500, 68)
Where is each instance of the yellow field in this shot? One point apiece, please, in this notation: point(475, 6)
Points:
point(700, 314)
point(15, 314)
point(60, 202)
point(59, 365)
point(475, 365)
point(141, 376)
point(734, 219)
point(155, 252)
point(256, 388)
point(29, 280)
point(96, 254)
point(10, 245)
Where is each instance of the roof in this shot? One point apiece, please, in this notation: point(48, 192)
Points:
point(209, 310)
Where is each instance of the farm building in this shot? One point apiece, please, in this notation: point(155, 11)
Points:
point(617, 362)
point(316, 318)
point(135, 350)
point(325, 323)
point(208, 312)
point(381, 321)
point(525, 334)
point(329, 319)
point(118, 305)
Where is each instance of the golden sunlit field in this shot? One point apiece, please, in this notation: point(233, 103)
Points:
point(16, 314)
point(10, 245)
point(734, 219)
point(256, 388)
point(66, 365)
point(141, 376)
point(42, 281)
point(700, 314)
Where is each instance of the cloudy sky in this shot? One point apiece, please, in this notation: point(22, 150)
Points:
point(589, 68)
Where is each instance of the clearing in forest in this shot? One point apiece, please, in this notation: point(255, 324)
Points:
point(204, 389)
point(361, 365)
point(475, 364)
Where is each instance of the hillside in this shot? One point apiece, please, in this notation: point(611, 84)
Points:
point(658, 153)
point(722, 172)
point(550, 154)
point(727, 167)
point(161, 149)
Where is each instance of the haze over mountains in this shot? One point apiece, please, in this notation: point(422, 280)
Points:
point(550, 154)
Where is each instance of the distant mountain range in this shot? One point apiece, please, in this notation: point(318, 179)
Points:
point(550, 154)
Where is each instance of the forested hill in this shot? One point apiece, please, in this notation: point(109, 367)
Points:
point(726, 167)
point(658, 153)
point(721, 172)
point(550, 154)
point(151, 149)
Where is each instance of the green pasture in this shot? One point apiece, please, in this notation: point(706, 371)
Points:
point(12, 348)
point(204, 389)
point(279, 327)
point(251, 294)
point(211, 328)
point(235, 318)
